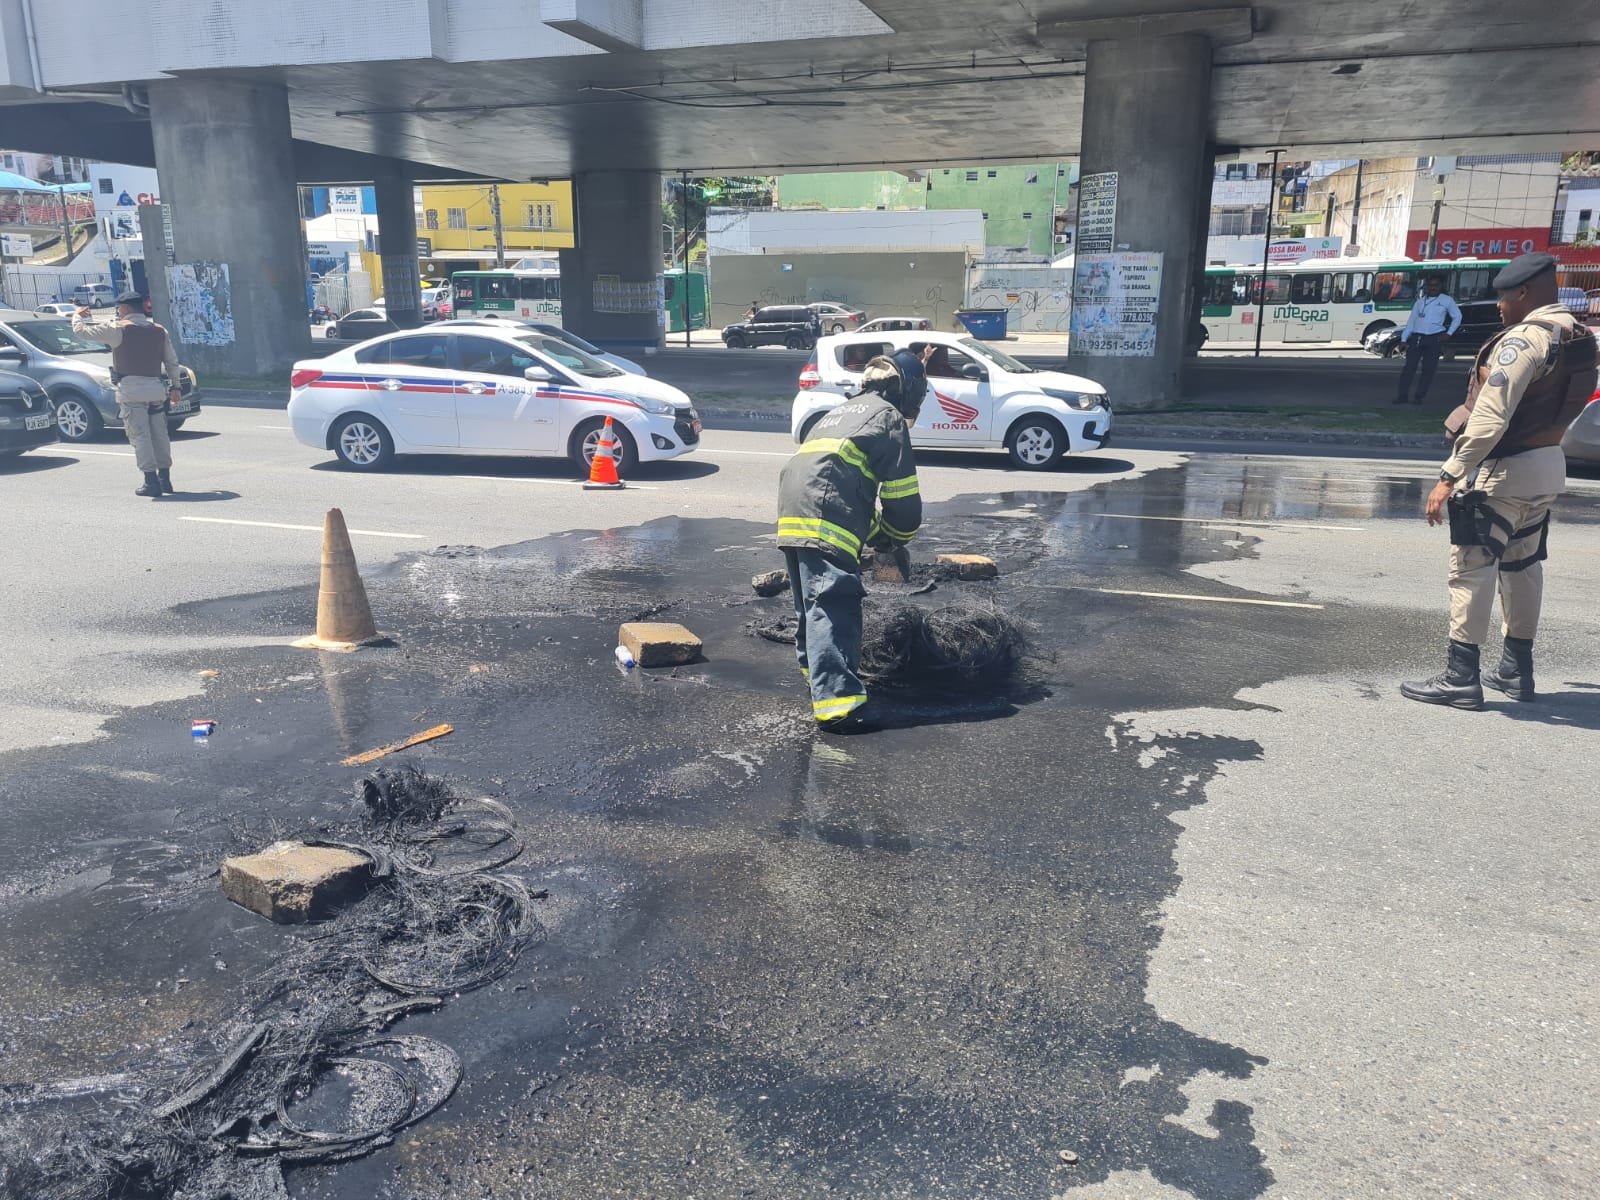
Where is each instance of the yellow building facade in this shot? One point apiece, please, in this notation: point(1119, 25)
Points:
point(455, 222)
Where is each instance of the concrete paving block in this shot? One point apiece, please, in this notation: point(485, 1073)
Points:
point(659, 643)
point(773, 583)
point(291, 883)
point(970, 566)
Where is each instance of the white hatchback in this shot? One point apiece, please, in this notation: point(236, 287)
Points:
point(979, 398)
point(477, 390)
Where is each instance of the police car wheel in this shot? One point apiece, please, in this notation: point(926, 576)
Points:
point(1376, 327)
point(77, 419)
point(805, 430)
point(1036, 443)
point(586, 438)
point(735, 341)
point(362, 444)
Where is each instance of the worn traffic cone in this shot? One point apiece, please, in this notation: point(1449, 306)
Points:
point(344, 617)
point(603, 466)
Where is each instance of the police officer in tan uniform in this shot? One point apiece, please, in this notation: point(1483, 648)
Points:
point(140, 352)
point(1528, 384)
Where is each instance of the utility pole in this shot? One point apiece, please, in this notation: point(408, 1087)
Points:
point(66, 223)
point(1266, 252)
point(499, 227)
point(683, 283)
point(1433, 225)
point(1355, 209)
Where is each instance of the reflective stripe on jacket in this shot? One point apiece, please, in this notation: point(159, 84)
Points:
point(854, 480)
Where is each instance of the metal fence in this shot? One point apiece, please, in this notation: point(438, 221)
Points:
point(29, 287)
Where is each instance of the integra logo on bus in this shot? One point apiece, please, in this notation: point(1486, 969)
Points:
point(1293, 312)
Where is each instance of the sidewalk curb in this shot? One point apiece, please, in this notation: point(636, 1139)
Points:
point(1310, 437)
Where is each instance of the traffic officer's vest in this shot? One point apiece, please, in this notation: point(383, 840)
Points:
point(1553, 401)
point(141, 352)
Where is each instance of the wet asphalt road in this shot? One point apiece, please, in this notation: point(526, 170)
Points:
point(1205, 904)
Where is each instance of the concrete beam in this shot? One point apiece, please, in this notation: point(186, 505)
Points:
point(110, 133)
point(1223, 26)
point(616, 25)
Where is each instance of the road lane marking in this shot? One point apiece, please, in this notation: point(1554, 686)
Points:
point(283, 428)
point(75, 450)
point(1203, 599)
point(1230, 521)
point(578, 483)
point(307, 528)
point(756, 453)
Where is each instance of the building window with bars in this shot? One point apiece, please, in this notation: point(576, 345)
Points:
point(457, 218)
point(431, 218)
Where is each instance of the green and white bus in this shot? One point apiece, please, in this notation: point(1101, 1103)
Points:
point(532, 295)
point(1331, 300)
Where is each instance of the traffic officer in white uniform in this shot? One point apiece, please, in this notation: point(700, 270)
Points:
point(1527, 386)
point(1434, 317)
point(140, 352)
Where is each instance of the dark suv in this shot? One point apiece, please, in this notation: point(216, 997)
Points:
point(791, 325)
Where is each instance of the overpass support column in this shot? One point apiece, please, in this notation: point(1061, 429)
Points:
point(609, 282)
point(1146, 116)
point(225, 162)
point(397, 246)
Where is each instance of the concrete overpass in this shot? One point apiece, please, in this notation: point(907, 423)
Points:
point(236, 100)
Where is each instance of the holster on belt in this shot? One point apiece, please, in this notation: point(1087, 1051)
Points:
point(1470, 519)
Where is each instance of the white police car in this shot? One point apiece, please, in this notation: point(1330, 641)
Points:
point(979, 398)
point(480, 390)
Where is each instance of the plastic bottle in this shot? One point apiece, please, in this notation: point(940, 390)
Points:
point(625, 659)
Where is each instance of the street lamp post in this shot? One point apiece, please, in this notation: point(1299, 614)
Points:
point(1266, 251)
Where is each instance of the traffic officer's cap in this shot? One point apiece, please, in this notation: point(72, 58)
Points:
point(131, 298)
point(1523, 269)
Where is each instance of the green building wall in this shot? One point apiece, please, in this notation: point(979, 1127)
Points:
point(1018, 201)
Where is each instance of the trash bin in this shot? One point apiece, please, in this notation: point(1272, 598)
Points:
point(989, 324)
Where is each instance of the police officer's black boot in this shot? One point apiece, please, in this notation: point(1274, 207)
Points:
point(1458, 686)
point(152, 485)
point(165, 475)
point(1514, 675)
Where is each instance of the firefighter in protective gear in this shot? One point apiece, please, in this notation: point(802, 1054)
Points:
point(852, 485)
point(1527, 386)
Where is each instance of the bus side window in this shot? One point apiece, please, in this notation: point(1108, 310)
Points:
point(552, 288)
point(1352, 287)
point(532, 289)
point(1241, 290)
point(1473, 284)
point(1396, 287)
point(1308, 289)
point(1220, 291)
point(1277, 289)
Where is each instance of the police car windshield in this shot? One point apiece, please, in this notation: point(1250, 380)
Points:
point(56, 337)
point(568, 355)
point(1004, 361)
point(571, 339)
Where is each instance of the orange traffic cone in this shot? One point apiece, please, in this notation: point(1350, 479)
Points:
point(344, 617)
point(603, 466)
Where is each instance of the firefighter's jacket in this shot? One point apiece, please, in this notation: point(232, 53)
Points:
point(852, 483)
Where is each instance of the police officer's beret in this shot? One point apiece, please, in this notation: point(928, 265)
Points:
point(1522, 269)
point(131, 298)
